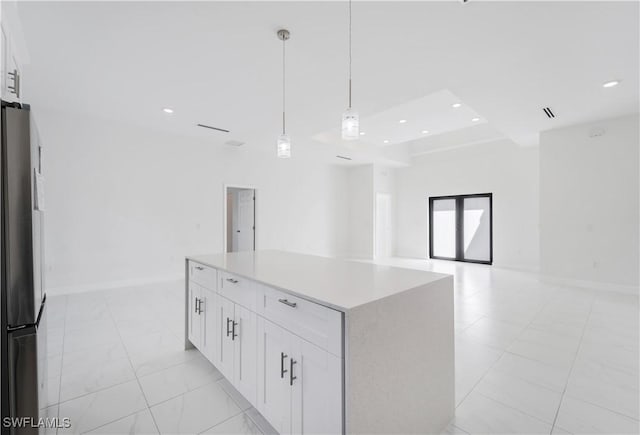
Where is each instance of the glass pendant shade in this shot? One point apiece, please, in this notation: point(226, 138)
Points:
point(350, 125)
point(284, 146)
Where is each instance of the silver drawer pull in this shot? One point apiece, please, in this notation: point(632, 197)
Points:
point(199, 267)
point(286, 302)
point(232, 281)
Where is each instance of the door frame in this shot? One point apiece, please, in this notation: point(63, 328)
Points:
point(460, 227)
point(225, 187)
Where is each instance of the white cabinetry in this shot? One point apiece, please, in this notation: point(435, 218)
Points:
point(282, 353)
point(236, 357)
point(208, 323)
point(195, 322)
point(202, 319)
point(225, 336)
point(245, 353)
point(300, 384)
point(316, 402)
point(274, 365)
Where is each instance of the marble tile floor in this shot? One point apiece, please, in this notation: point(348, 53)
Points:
point(530, 358)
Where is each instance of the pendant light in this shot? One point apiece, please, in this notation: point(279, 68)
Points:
point(350, 118)
point(283, 147)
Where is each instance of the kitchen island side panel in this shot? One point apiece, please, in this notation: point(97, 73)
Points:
point(399, 362)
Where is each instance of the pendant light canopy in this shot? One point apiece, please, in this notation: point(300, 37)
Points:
point(283, 146)
point(350, 118)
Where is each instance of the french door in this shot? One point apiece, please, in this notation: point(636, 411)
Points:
point(461, 228)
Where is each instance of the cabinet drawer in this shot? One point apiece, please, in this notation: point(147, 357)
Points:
point(238, 289)
point(315, 323)
point(203, 275)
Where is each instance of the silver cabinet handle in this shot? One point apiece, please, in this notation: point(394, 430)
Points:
point(229, 321)
point(200, 306)
point(15, 76)
point(196, 305)
point(286, 302)
point(233, 330)
point(291, 377)
point(283, 356)
point(232, 281)
point(199, 267)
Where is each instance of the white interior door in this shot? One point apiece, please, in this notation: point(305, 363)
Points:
point(242, 220)
point(383, 225)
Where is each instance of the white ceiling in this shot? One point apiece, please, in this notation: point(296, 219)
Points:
point(219, 63)
point(423, 117)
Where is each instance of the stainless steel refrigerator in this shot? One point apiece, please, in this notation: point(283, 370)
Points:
point(23, 314)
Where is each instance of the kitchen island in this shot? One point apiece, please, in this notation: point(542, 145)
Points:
point(321, 345)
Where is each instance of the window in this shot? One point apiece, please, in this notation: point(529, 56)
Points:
point(461, 228)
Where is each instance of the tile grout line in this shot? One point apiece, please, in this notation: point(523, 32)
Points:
point(575, 357)
point(500, 357)
point(155, 423)
point(221, 422)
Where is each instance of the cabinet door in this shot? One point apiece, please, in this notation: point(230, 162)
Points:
point(225, 350)
point(194, 314)
point(274, 391)
point(316, 405)
point(245, 366)
point(209, 324)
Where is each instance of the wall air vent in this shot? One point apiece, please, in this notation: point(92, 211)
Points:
point(234, 143)
point(344, 157)
point(547, 111)
point(213, 128)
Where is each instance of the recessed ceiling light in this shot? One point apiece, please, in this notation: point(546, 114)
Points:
point(425, 131)
point(475, 119)
point(456, 105)
point(385, 141)
point(362, 133)
point(611, 84)
point(167, 110)
point(402, 121)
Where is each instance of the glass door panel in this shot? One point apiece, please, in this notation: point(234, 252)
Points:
point(477, 228)
point(443, 228)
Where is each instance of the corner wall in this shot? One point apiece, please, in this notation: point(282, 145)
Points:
point(589, 203)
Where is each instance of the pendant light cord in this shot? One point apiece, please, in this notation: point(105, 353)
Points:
point(349, 54)
point(283, 86)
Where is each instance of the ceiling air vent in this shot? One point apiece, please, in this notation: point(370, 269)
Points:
point(213, 128)
point(547, 111)
point(234, 143)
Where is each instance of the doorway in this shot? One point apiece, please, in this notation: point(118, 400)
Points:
point(461, 228)
point(383, 226)
point(240, 217)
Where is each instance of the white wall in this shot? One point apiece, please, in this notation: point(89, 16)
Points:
point(589, 202)
point(125, 205)
point(503, 168)
point(361, 223)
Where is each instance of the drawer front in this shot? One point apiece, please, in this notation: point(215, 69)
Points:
point(203, 275)
point(238, 289)
point(315, 323)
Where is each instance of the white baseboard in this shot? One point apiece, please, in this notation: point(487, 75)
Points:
point(591, 285)
point(64, 290)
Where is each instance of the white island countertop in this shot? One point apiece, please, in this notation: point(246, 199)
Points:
point(339, 284)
